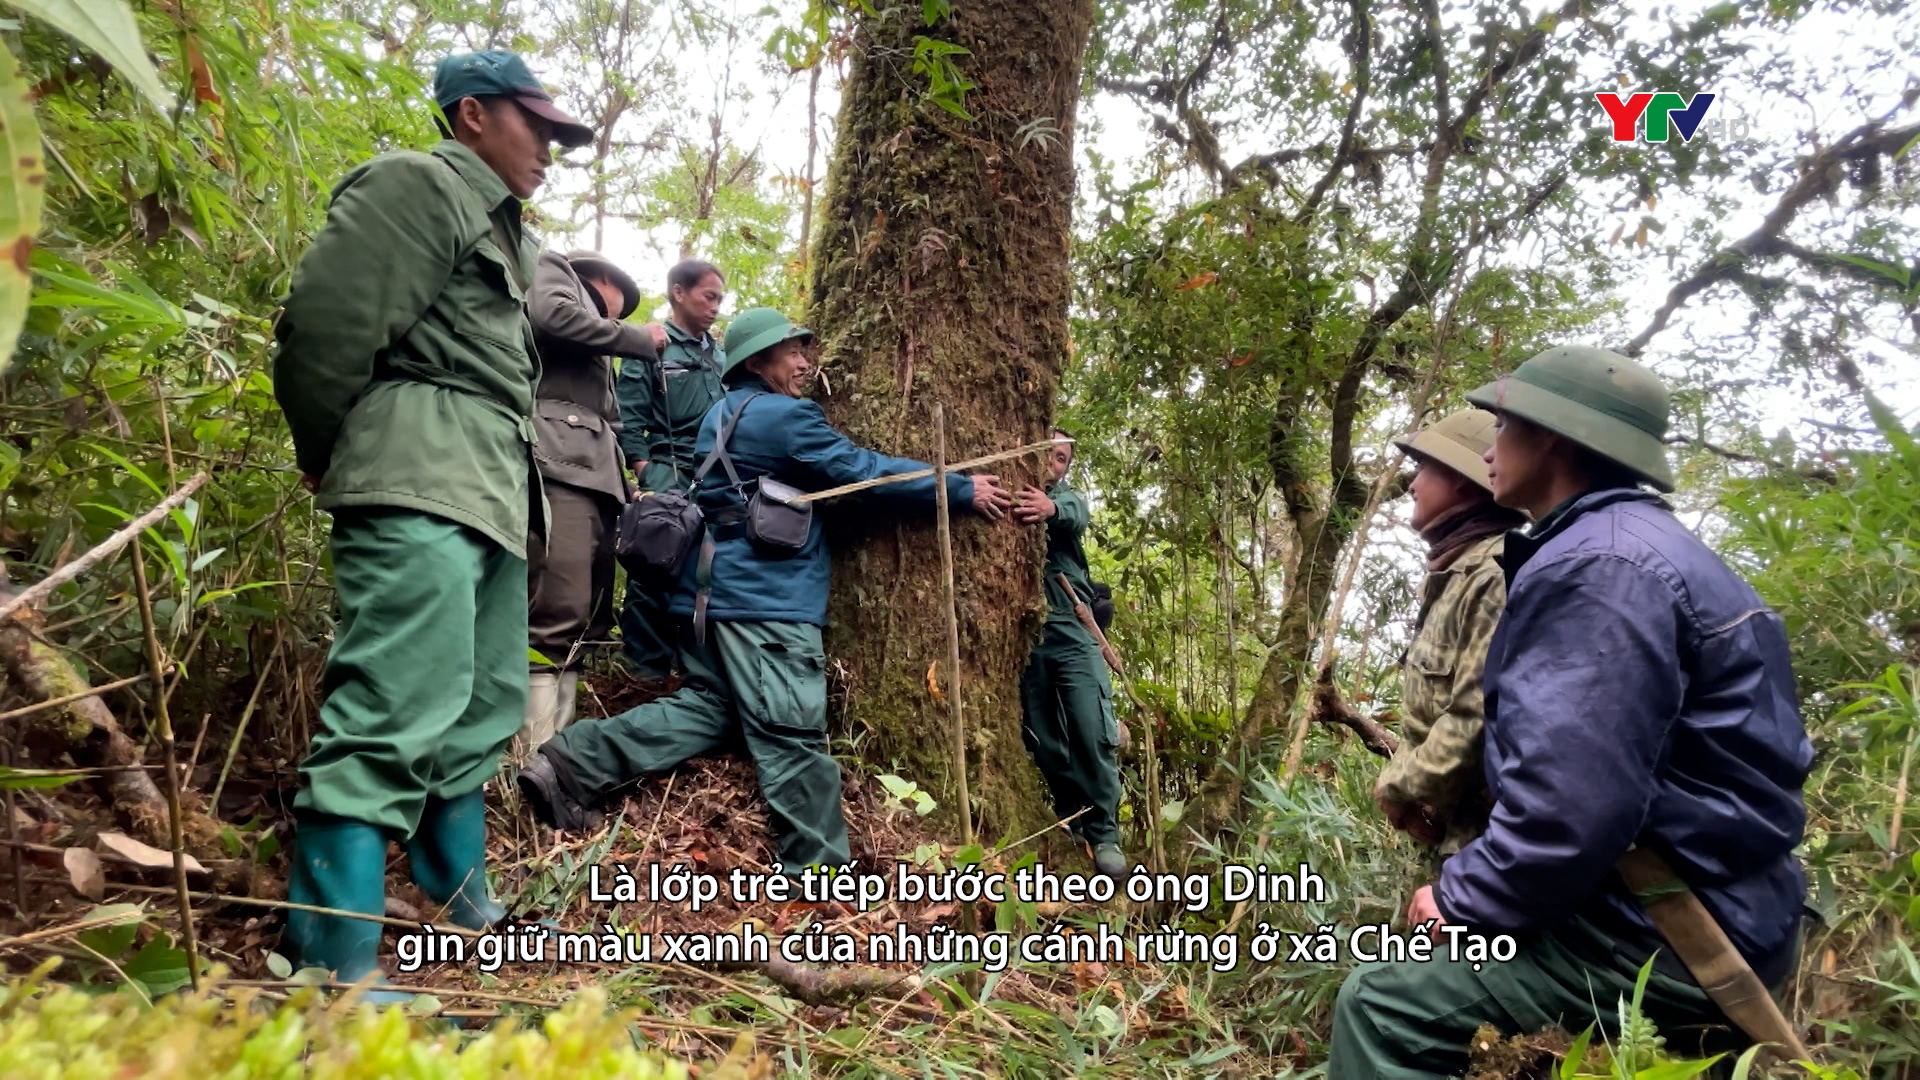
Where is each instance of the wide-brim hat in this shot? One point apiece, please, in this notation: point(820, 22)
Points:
point(501, 73)
point(1594, 398)
point(1459, 441)
point(598, 265)
point(753, 332)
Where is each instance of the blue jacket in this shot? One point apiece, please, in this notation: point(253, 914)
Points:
point(1637, 689)
point(788, 439)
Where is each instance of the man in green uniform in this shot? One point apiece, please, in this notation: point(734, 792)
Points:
point(1433, 789)
point(1066, 697)
point(579, 300)
point(750, 619)
point(406, 371)
point(661, 406)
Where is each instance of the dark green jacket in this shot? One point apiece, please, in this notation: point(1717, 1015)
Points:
point(662, 404)
point(405, 365)
point(1066, 555)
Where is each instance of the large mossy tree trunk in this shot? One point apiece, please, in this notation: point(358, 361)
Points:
point(942, 276)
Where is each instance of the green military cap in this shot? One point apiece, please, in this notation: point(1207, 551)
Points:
point(500, 73)
point(1458, 440)
point(592, 262)
point(1595, 398)
point(756, 330)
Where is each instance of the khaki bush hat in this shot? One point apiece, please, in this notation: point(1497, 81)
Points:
point(1457, 440)
point(1595, 398)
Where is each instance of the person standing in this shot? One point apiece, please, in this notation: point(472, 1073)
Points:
point(661, 406)
point(1639, 695)
point(406, 370)
point(1432, 788)
point(749, 618)
point(1066, 695)
point(579, 303)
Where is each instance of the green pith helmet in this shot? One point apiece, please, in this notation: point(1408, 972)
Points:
point(1595, 398)
point(754, 331)
point(1459, 441)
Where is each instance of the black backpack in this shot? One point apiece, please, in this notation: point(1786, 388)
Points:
point(658, 529)
point(1102, 605)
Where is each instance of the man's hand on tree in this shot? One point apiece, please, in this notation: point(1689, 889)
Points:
point(990, 498)
point(1034, 507)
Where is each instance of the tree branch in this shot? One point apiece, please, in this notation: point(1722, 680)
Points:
point(1360, 47)
point(1820, 176)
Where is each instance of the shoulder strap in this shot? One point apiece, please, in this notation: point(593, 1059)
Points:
point(719, 451)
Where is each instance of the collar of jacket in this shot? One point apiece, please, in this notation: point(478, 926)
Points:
point(1523, 543)
point(478, 174)
point(678, 334)
point(747, 380)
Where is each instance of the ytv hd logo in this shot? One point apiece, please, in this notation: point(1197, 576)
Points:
point(1664, 112)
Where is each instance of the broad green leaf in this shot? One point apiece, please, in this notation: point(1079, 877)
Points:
point(22, 183)
point(281, 967)
point(106, 27)
point(112, 941)
point(159, 967)
point(1570, 1066)
point(1898, 275)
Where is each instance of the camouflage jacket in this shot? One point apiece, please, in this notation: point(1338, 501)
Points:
point(1443, 705)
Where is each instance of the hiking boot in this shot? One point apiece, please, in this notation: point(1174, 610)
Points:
point(547, 785)
point(1108, 860)
point(339, 863)
point(448, 854)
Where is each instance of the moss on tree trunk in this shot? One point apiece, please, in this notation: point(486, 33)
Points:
point(941, 274)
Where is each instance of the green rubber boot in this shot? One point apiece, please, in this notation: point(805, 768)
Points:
point(449, 856)
point(339, 863)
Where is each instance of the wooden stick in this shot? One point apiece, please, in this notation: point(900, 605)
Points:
point(240, 729)
point(953, 629)
point(158, 669)
point(111, 544)
point(921, 474)
point(54, 703)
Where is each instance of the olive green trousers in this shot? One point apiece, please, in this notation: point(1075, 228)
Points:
point(427, 678)
point(1413, 1021)
point(1067, 722)
point(761, 684)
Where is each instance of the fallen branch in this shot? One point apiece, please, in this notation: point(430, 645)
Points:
point(38, 594)
point(28, 710)
point(1328, 708)
point(88, 728)
point(821, 986)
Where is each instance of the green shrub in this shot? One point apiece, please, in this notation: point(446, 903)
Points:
point(57, 1032)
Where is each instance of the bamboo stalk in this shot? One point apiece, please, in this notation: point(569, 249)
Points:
point(953, 639)
point(921, 474)
point(240, 729)
point(165, 723)
point(19, 862)
point(95, 691)
point(39, 592)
